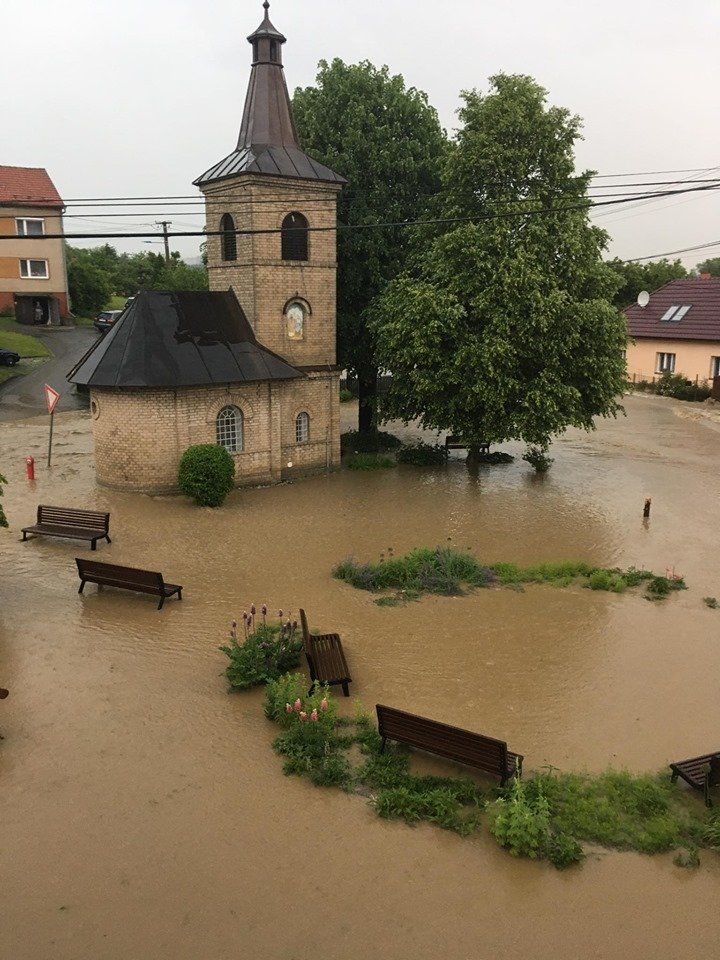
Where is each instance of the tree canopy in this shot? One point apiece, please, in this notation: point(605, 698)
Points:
point(643, 276)
point(504, 328)
point(97, 273)
point(386, 140)
point(711, 266)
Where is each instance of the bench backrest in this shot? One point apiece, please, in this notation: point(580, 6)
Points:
point(307, 640)
point(443, 739)
point(111, 573)
point(69, 517)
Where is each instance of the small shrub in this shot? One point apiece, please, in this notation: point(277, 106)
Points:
point(345, 396)
point(368, 461)
point(494, 458)
point(688, 858)
point(563, 851)
point(3, 518)
point(677, 386)
point(520, 823)
point(537, 457)
point(708, 601)
point(266, 652)
point(206, 474)
point(374, 441)
point(423, 454)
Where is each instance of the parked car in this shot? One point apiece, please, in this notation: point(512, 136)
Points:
point(8, 358)
point(104, 320)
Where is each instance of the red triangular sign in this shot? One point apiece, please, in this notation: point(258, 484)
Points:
point(52, 397)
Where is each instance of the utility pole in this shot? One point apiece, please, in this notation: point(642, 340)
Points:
point(165, 224)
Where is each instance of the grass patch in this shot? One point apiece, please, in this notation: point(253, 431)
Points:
point(444, 570)
point(19, 370)
point(11, 338)
point(546, 816)
point(368, 461)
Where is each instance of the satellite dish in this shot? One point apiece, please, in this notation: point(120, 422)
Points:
point(643, 298)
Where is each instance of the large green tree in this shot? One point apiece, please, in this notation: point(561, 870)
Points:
point(643, 276)
point(505, 329)
point(386, 140)
point(89, 284)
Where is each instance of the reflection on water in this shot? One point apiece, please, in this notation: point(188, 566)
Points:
point(143, 811)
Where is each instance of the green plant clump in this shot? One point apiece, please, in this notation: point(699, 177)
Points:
point(423, 454)
point(444, 570)
point(368, 461)
point(708, 601)
point(3, 518)
point(266, 652)
point(374, 441)
point(206, 474)
point(346, 396)
point(538, 458)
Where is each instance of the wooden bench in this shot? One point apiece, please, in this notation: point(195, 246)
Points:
point(127, 578)
point(472, 749)
point(70, 523)
point(325, 657)
point(455, 443)
point(700, 772)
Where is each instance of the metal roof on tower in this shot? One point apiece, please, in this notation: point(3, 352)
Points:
point(268, 142)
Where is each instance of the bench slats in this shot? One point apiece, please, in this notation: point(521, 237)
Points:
point(325, 657)
point(442, 739)
point(127, 578)
point(700, 773)
point(70, 523)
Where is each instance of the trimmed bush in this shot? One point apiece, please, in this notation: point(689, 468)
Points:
point(423, 454)
point(206, 474)
point(368, 461)
point(374, 441)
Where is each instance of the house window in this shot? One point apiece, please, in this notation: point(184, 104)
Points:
point(30, 227)
point(229, 429)
point(675, 313)
point(715, 367)
point(35, 269)
point(302, 428)
point(229, 238)
point(294, 233)
point(665, 363)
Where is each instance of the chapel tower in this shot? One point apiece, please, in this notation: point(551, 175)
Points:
point(283, 270)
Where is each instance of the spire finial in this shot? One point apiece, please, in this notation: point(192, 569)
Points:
point(266, 4)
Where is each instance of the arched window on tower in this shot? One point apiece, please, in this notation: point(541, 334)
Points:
point(229, 429)
point(302, 428)
point(294, 237)
point(228, 238)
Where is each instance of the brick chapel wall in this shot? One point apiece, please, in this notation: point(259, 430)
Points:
point(140, 435)
point(262, 281)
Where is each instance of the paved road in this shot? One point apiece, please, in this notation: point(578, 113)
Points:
point(24, 396)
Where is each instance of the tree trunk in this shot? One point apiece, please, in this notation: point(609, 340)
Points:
point(367, 392)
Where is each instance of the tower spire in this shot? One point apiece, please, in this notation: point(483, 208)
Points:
point(267, 118)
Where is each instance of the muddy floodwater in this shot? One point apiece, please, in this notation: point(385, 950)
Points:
point(142, 811)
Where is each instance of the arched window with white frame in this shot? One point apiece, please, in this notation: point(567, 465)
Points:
point(302, 428)
point(229, 429)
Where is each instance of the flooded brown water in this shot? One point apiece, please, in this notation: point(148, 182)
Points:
point(143, 813)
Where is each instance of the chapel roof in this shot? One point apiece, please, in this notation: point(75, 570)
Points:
point(684, 309)
point(180, 339)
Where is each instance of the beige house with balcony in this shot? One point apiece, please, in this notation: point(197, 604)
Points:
point(33, 272)
point(677, 332)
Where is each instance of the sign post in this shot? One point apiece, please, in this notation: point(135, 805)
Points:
point(51, 397)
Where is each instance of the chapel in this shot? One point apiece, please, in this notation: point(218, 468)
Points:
point(251, 364)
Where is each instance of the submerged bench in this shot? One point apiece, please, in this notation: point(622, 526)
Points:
point(325, 657)
point(127, 578)
point(700, 772)
point(454, 743)
point(456, 443)
point(70, 523)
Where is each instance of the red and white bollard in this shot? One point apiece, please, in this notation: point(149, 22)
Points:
point(30, 467)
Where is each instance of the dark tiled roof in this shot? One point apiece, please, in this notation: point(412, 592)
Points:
point(700, 322)
point(273, 161)
point(183, 339)
point(28, 186)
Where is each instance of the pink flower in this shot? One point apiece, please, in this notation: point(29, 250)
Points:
point(303, 715)
point(298, 705)
point(314, 715)
point(288, 708)
point(323, 704)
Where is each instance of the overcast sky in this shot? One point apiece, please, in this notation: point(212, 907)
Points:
point(137, 98)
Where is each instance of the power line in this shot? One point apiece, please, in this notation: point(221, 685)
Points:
point(588, 204)
point(673, 253)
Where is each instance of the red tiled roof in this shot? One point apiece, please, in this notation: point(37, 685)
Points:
point(700, 322)
point(23, 186)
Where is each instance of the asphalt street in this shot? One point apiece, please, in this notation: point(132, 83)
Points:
point(25, 397)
